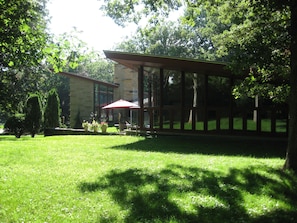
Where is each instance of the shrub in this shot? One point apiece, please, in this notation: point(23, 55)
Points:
point(15, 124)
point(33, 115)
point(52, 110)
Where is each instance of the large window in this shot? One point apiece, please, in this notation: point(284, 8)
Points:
point(103, 95)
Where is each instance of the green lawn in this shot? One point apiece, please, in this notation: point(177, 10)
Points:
point(136, 179)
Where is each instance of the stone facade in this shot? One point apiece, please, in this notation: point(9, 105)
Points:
point(81, 99)
point(127, 79)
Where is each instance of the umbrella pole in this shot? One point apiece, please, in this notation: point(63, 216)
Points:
point(131, 117)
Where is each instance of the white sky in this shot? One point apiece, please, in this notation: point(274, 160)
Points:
point(98, 31)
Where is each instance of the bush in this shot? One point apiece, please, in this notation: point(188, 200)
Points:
point(15, 125)
point(52, 110)
point(33, 114)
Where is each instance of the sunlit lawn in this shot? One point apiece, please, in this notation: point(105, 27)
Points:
point(135, 179)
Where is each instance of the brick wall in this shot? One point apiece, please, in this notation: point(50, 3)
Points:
point(81, 99)
point(128, 83)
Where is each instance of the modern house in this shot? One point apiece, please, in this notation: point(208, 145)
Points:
point(176, 96)
point(186, 96)
point(87, 97)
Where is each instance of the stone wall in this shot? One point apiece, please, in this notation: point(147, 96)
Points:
point(81, 100)
point(128, 83)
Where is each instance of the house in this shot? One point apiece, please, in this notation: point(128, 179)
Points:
point(87, 97)
point(187, 96)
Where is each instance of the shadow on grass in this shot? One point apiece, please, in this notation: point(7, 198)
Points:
point(214, 145)
point(182, 194)
point(5, 137)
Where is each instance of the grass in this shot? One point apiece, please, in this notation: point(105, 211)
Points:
point(136, 179)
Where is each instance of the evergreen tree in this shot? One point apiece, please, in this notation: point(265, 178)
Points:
point(52, 110)
point(33, 114)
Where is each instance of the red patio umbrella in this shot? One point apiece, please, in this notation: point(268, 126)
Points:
point(121, 104)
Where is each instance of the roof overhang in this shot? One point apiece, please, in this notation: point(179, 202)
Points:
point(80, 76)
point(134, 61)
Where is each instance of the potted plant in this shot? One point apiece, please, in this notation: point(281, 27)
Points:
point(103, 126)
point(95, 126)
point(85, 125)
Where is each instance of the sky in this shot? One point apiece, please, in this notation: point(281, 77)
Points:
point(98, 31)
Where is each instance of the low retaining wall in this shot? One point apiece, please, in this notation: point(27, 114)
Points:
point(67, 131)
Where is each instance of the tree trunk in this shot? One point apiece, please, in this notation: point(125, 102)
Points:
point(195, 86)
point(291, 156)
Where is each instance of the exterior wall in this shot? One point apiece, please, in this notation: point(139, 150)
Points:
point(128, 83)
point(81, 100)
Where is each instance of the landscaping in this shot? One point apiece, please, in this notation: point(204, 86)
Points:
point(108, 178)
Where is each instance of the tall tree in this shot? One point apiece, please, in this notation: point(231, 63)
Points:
point(33, 114)
point(23, 37)
point(52, 110)
point(22, 32)
point(29, 54)
point(258, 35)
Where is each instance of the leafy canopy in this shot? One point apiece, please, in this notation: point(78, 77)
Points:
point(254, 36)
point(23, 36)
point(23, 33)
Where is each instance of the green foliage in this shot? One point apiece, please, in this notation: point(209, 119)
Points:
point(68, 53)
point(16, 124)
point(94, 66)
point(52, 110)
point(22, 33)
point(33, 117)
point(125, 11)
point(65, 51)
point(22, 36)
point(254, 37)
point(28, 53)
point(170, 39)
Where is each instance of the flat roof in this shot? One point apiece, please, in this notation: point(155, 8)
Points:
point(70, 74)
point(134, 61)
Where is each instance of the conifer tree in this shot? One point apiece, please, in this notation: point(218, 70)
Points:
point(52, 110)
point(33, 114)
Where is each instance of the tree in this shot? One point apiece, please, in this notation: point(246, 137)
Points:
point(28, 53)
point(171, 38)
point(23, 35)
point(259, 35)
point(64, 52)
point(94, 66)
point(33, 114)
point(52, 110)
point(15, 86)
point(23, 32)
